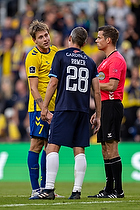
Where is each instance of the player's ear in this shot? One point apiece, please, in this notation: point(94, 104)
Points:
point(108, 40)
point(84, 43)
point(70, 38)
point(34, 40)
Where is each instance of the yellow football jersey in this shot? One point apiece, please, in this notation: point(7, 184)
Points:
point(38, 64)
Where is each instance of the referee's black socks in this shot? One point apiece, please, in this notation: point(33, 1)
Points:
point(116, 166)
point(109, 176)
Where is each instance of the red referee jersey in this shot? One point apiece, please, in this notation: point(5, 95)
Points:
point(114, 66)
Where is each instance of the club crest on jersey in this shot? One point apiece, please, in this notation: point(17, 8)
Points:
point(101, 75)
point(32, 69)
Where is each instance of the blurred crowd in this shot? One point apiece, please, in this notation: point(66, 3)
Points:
point(15, 43)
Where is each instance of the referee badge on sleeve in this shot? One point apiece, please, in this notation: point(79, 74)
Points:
point(101, 75)
point(32, 69)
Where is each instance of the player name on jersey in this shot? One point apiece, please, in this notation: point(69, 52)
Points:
point(78, 62)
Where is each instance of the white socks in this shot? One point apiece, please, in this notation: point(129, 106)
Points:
point(52, 164)
point(80, 169)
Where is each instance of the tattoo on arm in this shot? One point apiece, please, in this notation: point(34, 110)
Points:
point(39, 100)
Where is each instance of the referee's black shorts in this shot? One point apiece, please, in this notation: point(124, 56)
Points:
point(111, 118)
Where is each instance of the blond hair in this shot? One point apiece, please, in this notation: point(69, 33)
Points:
point(36, 26)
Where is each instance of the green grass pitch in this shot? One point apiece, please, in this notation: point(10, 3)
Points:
point(15, 195)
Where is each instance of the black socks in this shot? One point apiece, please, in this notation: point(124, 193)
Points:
point(113, 170)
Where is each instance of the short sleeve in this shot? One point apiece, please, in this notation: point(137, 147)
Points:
point(115, 68)
point(55, 69)
point(32, 65)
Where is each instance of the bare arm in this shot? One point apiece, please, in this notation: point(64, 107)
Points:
point(45, 114)
point(34, 90)
point(111, 86)
point(95, 119)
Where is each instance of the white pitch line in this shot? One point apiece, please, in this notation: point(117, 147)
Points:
point(67, 203)
point(14, 196)
point(25, 196)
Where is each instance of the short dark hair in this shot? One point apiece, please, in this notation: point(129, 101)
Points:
point(79, 36)
point(37, 26)
point(111, 32)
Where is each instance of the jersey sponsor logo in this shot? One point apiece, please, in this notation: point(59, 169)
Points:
point(101, 75)
point(77, 55)
point(32, 69)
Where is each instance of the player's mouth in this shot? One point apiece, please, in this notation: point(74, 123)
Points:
point(46, 43)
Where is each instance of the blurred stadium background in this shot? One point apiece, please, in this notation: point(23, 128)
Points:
point(15, 42)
